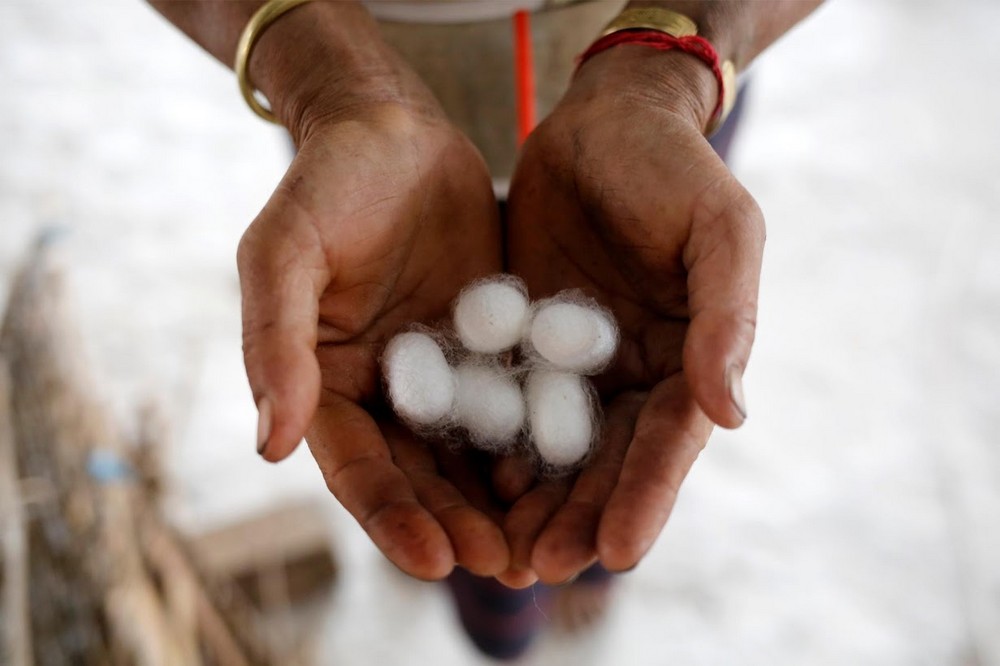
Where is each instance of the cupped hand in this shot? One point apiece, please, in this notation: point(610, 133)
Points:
point(384, 214)
point(619, 194)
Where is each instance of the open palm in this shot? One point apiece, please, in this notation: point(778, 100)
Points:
point(627, 201)
point(378, 223)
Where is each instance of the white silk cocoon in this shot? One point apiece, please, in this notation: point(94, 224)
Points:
point(420, 383)
point(561, 416)
point(489, 405)
point(490, 314)
point(573, 334)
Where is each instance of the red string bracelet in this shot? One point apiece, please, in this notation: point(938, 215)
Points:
point(692, 44)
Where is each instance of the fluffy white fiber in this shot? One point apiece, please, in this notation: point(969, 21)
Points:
point(420, 382)
point(573, 335)
point(490, 314)
point(561, 416)
point(481, 399)
point(488, 404)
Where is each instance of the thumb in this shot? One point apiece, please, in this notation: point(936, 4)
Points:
point(283, 273)
point(723, 260)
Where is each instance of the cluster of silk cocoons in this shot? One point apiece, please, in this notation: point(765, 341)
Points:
point(507, 373)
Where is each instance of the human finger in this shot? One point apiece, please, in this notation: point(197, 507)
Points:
point(282, 275)
point(478, 542)
point(568, 543)
point(670, 432)
point(525, 521)
point(512, 476)
point(359, 470)
point(723, 259)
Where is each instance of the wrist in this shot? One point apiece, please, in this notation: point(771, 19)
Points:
point(326, 61)
point(672, 81)
point(728, 25)
point(738, 29)
point(654, 26)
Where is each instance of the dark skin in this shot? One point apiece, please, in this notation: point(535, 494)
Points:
point(645, 218)
point(364, 252)
point(387, 211)
point(618, 193)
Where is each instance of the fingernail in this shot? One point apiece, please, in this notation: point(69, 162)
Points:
point(569, 581)
point(734, 380)
point(263, 424)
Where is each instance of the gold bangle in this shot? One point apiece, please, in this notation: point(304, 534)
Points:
point(677, 25)
point(728, 96)
point(652, 18)
point(262, 18)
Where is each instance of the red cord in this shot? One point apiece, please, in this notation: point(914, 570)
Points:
point(693, 44)
point(524, 75)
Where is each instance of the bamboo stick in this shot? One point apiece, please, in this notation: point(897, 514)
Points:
point(169, 560)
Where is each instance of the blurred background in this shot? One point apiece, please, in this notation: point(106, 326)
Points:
point(855, 519)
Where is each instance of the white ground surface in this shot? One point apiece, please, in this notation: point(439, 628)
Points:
point(854, 520)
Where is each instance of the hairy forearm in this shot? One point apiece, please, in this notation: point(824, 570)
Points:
point(739, 29)
point(320, 58)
